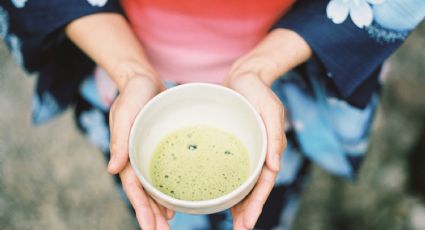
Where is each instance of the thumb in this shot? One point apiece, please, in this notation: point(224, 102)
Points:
point(119, 129)
point(273, 117)
point(122, 115)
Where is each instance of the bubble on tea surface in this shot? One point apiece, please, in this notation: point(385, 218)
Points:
point(192, 147)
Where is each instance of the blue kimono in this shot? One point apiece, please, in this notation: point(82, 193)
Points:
point(330, 99)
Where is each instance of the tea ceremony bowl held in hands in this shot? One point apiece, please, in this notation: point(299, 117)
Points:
point(197, 104)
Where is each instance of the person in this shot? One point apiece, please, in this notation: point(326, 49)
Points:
point(322, 59)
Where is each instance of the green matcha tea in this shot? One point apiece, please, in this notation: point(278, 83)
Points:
point(199, 163)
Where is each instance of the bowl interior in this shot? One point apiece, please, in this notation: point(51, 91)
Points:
point(194, 104)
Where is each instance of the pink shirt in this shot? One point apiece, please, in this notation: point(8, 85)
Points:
point(198, 40)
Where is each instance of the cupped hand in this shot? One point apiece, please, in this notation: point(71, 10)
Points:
point(133, 96)
point(249, 84)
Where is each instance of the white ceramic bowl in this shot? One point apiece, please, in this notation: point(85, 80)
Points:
point(192, 104)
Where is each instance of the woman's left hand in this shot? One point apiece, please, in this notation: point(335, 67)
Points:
point(249, 84)
point(252, 76)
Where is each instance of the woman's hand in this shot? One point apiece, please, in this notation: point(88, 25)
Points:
point(246, 213)
point(109, 41)
point(252, 76)
point(133, 96)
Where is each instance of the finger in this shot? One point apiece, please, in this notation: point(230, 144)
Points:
point(273, 117)
point(238, 223)
point(130, 101)
point(170, 213)
point(120, 129)
point(255, 202)
point(236, 212)
point(161, 208)
point(111, 124)
point(138, 199)
point(111, 114)
point(159, 213)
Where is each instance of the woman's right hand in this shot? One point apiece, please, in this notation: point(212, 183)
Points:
point(108, 39)
point(133, 96)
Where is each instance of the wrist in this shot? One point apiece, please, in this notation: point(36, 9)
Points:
point(280, 51)
point(238, 77)
point(259, 66)
point(123, 72)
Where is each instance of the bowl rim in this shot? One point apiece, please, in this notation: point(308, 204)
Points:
point(253, 177)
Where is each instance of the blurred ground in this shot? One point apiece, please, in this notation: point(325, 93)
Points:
point(50, 178)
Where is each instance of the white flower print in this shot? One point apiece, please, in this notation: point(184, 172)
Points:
point(360, 11)
point(19, 3)
point(98, 3)
point(4, 23)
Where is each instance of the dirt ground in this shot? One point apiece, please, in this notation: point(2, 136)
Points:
point(51, 178)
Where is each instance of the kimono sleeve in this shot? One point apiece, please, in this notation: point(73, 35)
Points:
point(353, 38)
point(33, 30)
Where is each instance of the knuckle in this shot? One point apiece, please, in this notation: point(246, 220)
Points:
point(278, 139)
point(278, 136)
point(141, 206)
point(277, 104)
point(260, 201)
point(114, 147)
point(274, 106)
point(285, 141)
point(149, 227)
point(268, 182)
point(283, 112)
point(130, 187)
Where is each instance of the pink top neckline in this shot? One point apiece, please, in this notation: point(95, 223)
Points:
point(198, 42)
